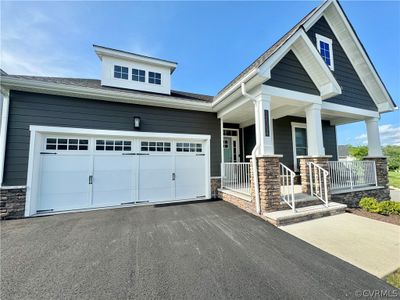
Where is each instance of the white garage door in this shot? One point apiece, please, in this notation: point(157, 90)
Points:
point(89, 172)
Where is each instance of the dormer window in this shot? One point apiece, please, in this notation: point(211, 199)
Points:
point(121, 72)
point(155, 77)
point(324, 46)
point(138, 75)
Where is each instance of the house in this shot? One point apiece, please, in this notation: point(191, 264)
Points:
point(266, 141)
point(343, 152)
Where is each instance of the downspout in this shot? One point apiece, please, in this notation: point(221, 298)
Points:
point(253, 153)
point(3, 132)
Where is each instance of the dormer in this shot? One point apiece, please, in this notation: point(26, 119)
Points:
point(134, 71)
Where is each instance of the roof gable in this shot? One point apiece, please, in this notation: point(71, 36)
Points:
point(353, 91)
point(355, 51)
point(290, 74)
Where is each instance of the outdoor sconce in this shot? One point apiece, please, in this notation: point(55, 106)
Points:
point(136, 122)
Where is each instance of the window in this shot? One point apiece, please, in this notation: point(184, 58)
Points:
point(66, 144)
point(229, 132)
point(189, 147)
point(138, 75)
point(155, 146)
point(113, 145)
point(121, 72)
point(324, 46)
point(154, 77)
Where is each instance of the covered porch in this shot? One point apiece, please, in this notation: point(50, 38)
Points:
point(297, 132)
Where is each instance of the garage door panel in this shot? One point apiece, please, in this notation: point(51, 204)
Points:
point(64, 182)
point(114, 179)
point(155, 178)
point(190, 177)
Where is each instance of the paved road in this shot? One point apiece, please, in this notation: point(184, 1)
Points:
point(205, 250)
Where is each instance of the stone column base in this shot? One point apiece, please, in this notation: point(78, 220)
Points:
point(382, 175)
point(268, 181)
point(215, 185)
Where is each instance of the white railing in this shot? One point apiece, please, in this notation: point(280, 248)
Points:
point(287, 185)
point(318, 182)
point(348, 175)
point(236, 177)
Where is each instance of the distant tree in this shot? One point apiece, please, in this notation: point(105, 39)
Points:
point(358, 152)
point(393, 155)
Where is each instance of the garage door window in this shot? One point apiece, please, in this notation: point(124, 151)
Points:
point(113, 145)
point(189, 147)
point(148, 146)
point(66, 144)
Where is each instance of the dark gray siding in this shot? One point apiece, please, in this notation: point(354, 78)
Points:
point(48, 110)
point(353, 91)
point(290, 74)
point(283, 138)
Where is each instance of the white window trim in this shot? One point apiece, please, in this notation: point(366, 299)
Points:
point(294, 126)
point(329, 42)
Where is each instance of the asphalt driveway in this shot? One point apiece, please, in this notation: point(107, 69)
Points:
point(200, 250)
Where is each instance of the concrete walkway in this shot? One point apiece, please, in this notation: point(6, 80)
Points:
point(371, 245)
point(395, 195)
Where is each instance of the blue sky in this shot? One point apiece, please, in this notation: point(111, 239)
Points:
point(211, 41)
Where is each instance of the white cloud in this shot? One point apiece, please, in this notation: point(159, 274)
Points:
point(33, 44)
point(390, 135)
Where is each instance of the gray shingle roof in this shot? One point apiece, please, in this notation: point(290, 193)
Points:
point(96, 84)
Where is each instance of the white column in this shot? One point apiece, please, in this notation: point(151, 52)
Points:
point(264, 129)
point(315, 138)
point(374, 141)
point(3, 132)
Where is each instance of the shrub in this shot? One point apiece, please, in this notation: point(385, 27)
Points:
point(385, 207)
point(370, 204)
point(390, 207)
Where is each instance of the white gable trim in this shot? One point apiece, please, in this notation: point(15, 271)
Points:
point(352, 47)
point(311, 61)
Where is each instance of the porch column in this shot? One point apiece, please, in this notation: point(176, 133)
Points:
point(264, 130)
point(314, 130)
point(374, 141)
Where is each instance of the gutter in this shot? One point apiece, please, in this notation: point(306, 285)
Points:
point(3, 131)
point(253, 153)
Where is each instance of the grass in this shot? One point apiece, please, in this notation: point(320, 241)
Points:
point(394, 278)
point(394, 179)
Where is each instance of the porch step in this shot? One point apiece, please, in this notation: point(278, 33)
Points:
point(286, 217)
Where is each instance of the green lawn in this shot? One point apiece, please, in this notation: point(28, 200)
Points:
point(394, 179)
point(394, 278)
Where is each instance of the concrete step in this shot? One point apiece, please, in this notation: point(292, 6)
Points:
point(286, 217)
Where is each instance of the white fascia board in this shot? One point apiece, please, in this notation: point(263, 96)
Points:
point(236, 86)
point(364, 58)
point(100, 51)
point(98, 94)
point(344, 109)
point(101, 132)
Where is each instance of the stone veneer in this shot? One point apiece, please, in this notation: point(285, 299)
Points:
point(248, 206)
point(322, 161)
point(215, 185)
point(268, 181)
point(12, 202)
point(353, 198)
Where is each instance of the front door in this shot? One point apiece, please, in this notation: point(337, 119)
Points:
point(228, 149)
point(299, 143)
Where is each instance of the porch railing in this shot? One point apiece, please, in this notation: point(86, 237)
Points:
point(318, 182)
point(287, 185)
point(349, 175)
point(236, 177)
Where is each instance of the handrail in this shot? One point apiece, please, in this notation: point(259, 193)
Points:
point(287, 185)
point(318, 182)
point(236, 177)
point(349, 175)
